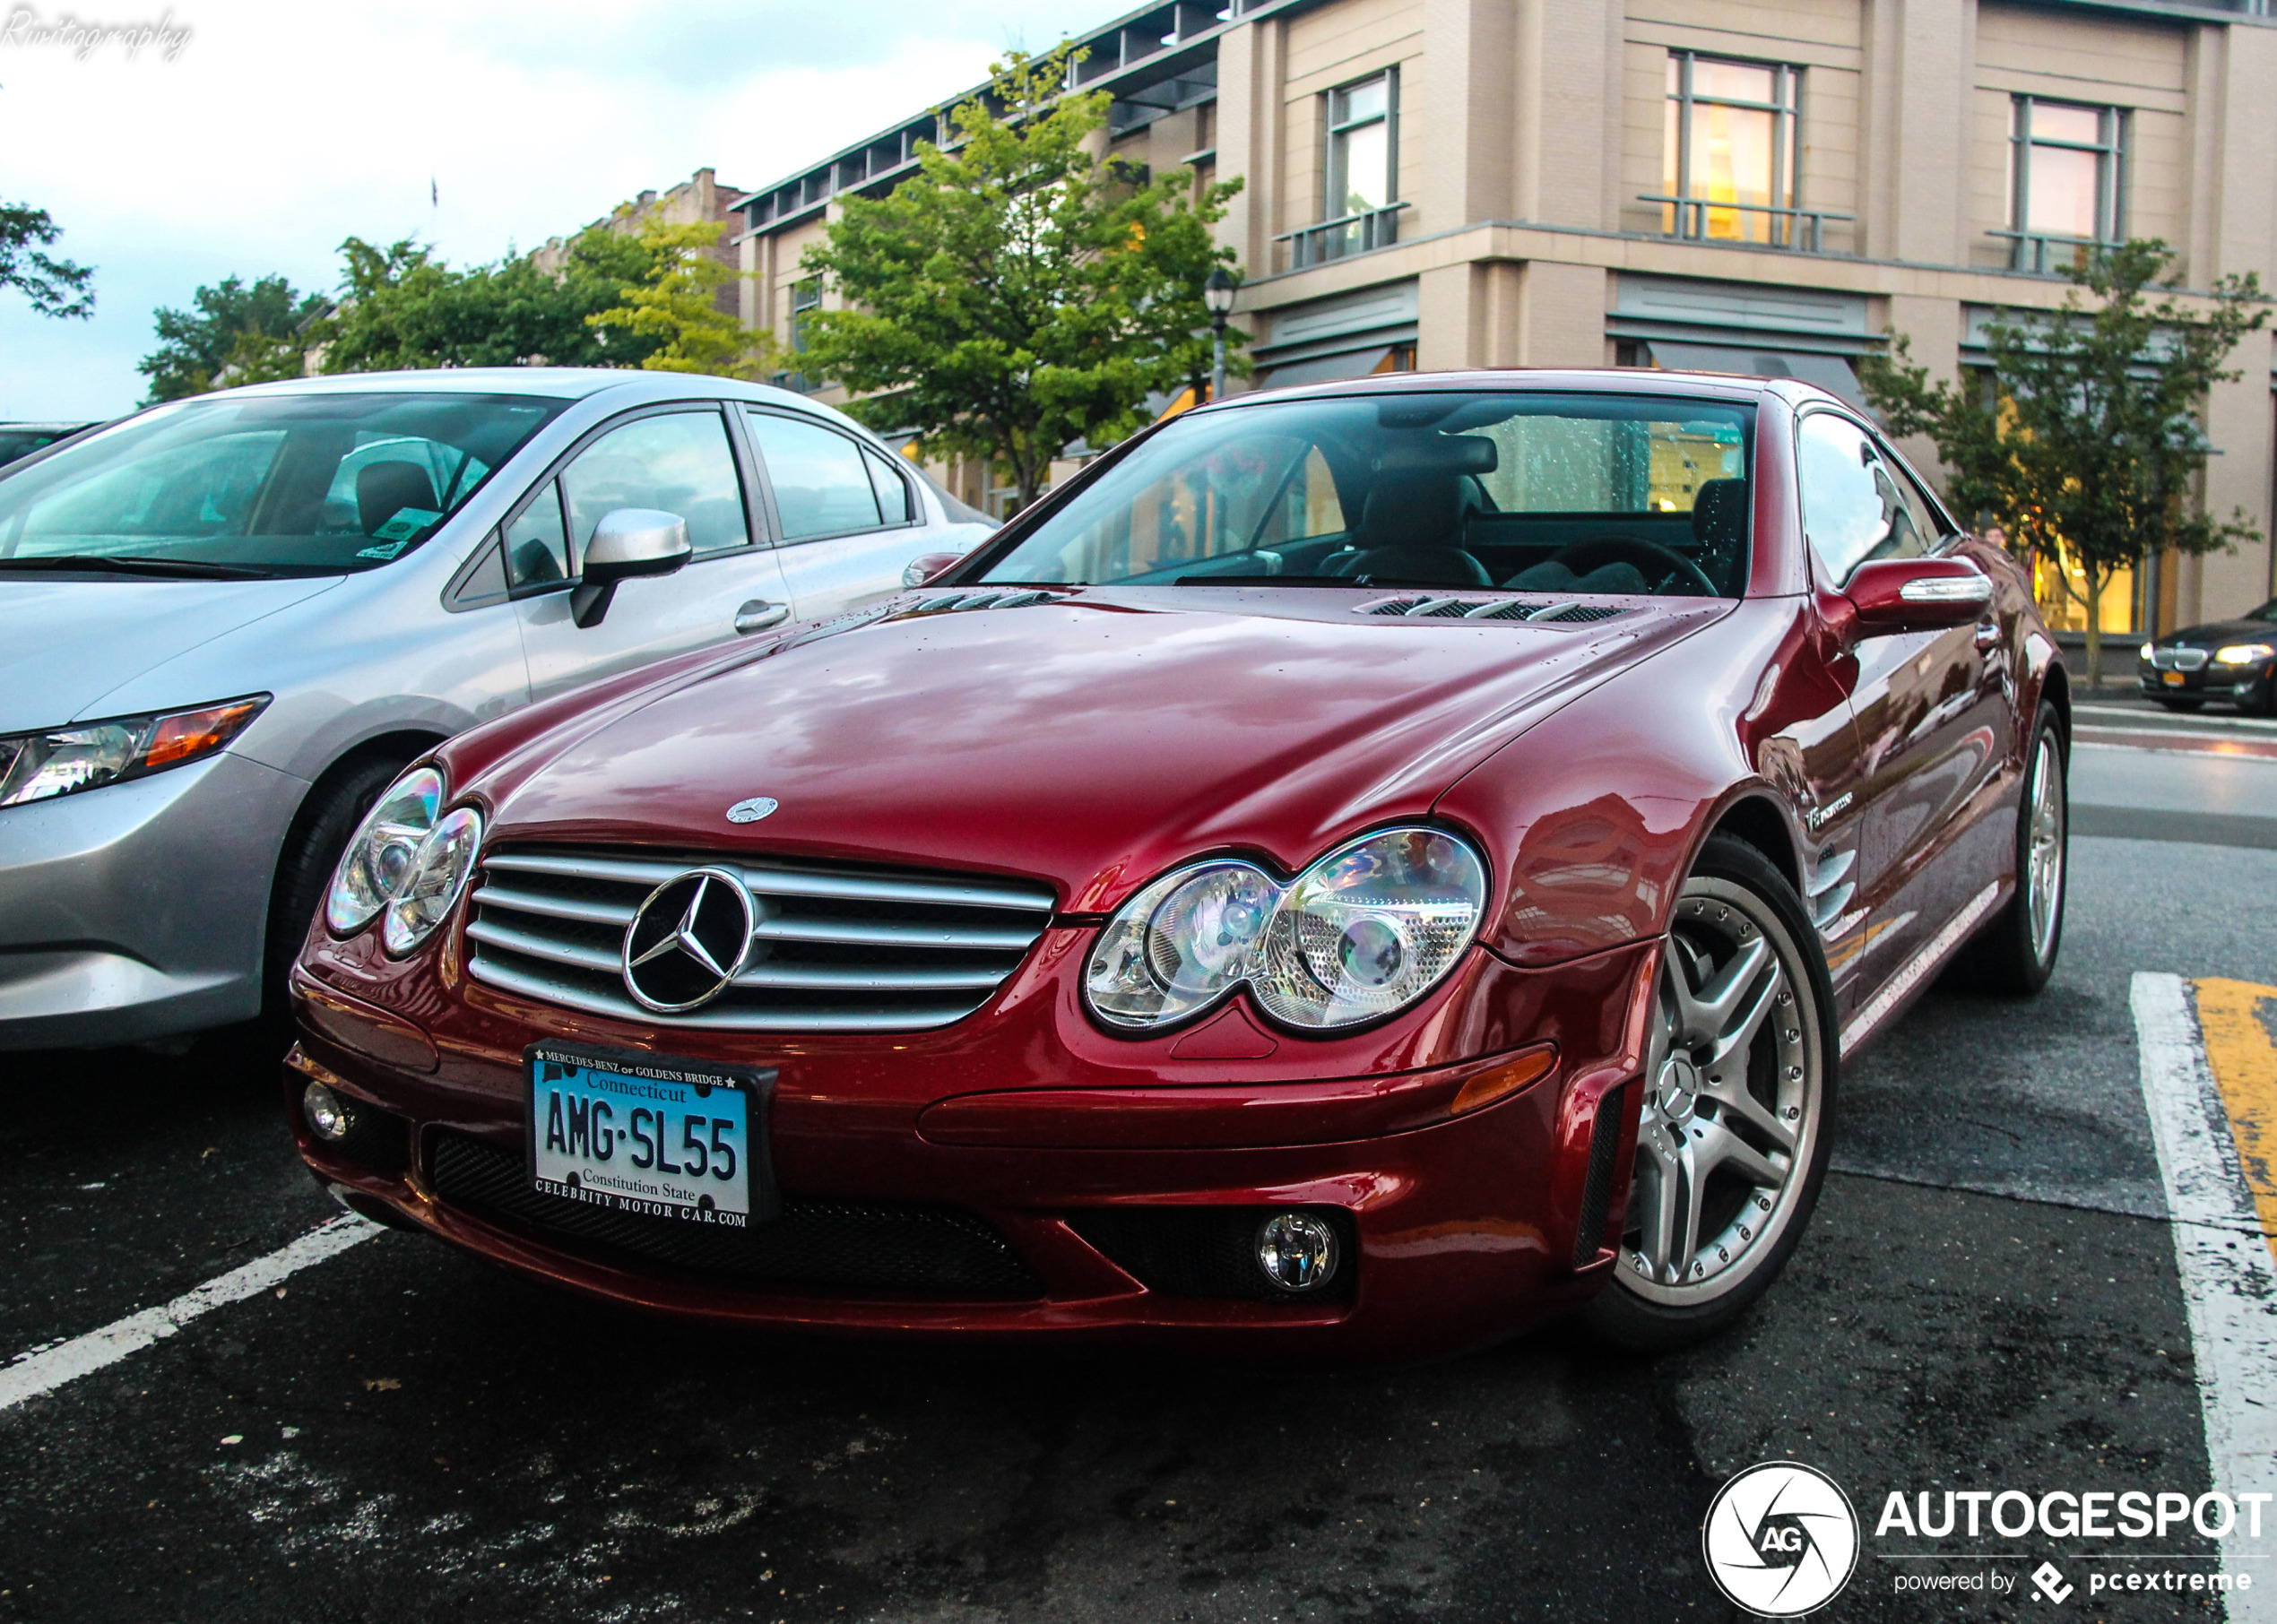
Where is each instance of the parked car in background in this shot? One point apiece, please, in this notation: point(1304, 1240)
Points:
point(226, 623)
point(21, 439)
point(1356, 869)
point(2233, 660)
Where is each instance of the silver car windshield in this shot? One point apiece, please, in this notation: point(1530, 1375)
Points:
point(274, 485)
point(1565, 492)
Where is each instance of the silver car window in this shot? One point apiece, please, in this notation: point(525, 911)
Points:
point(821, 488)
point(679, 462)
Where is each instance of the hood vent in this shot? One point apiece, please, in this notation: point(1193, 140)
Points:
point(1489, 609)
point(977, 600)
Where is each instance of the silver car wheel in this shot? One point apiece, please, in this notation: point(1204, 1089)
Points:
point(2043, 874)
point(1735, 1084)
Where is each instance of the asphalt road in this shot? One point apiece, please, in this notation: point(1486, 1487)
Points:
point(1987, 1299)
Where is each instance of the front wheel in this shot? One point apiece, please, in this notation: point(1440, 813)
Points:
point(1732, 1135)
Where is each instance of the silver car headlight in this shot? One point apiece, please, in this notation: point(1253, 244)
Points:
point(61, 761)
point(404, 863)
point(1362, 933)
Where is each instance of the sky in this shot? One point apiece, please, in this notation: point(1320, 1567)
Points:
point(271, 132)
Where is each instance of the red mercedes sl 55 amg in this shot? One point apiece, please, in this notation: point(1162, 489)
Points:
point(1358, 870)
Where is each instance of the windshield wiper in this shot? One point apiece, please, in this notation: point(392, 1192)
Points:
point(192, 569)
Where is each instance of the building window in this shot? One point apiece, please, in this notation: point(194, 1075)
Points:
point(805, 296)
point(2066, 191)
point(1729, 167)
point(1359, 203)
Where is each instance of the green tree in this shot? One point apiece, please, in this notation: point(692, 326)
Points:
point(1019, 292)
point(54, 287)
point(401, 307)
point(676, 307)
point(2087, 443)
point(250, 329)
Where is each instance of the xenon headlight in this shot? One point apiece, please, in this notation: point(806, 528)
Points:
point(404, 863)
point(2242, 654)
point(61, 761)
point(1364, 932)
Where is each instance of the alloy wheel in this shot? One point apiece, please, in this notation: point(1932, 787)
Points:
point(1735, 1084)
point(2044, 849)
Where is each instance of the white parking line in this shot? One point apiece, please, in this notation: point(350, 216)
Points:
point(48, 1369)
point(2228, 1284)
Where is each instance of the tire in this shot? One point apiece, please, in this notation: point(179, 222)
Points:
point(1761, 1109)
point(2015, 955)
point(2187, 707)
point(312, 851)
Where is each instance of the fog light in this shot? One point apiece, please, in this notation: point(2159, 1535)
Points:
point(328, 1114)
point(1297, 1251)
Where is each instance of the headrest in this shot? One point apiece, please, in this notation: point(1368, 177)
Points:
point(1412, 507)
point(1720, 512)
point(384, 488)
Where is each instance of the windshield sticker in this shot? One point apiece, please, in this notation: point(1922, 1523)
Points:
point(407, 523)
point(385, 550)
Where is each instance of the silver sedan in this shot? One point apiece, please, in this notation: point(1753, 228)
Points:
point(226, 623)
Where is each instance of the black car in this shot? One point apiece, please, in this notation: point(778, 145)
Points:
point(21, 439)
point(2227, 659)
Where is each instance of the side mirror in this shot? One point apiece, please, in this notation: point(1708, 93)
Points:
point(628, 541)
point(1918, 594)
point(924, 566)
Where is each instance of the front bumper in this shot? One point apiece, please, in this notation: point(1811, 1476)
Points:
point(136, 910)
point(2245, 685)
point(1464, 1229)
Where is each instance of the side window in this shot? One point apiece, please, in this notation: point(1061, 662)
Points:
point(1854, 506)
point(679, 462)
point(893, 490)
point(821, 486)
point(1923, 512)
point(537, 547)
point(1307, 507)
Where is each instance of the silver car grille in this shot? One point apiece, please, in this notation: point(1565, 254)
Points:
point(833, 949)
point(2178, 659)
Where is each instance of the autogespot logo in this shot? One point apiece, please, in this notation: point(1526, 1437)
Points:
point(1780, 1539)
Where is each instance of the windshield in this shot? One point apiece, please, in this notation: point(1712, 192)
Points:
point(1552, 492)
point(282, 484)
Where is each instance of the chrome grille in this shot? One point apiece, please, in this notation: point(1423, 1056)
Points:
point(1489, 609)
point(2178, 659)
point(833, 949)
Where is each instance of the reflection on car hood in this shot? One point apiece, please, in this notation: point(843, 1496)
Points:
point(1093, 741)
point(65, 645)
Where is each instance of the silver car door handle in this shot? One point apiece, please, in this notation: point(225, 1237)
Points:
point(1987, 634)
point(758, 615)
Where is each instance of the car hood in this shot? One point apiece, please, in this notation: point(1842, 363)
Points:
point(2216, 633)
point(65, 643)
point(1093, 739)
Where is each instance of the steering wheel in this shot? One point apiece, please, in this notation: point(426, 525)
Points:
point(1648, 557)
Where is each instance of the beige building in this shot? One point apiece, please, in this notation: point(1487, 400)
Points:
point(699, 198)
point(1753, 185)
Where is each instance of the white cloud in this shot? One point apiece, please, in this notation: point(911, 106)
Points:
point(278, 130)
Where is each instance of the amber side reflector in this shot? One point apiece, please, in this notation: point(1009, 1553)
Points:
point(1507, 1078)
point(190, 733)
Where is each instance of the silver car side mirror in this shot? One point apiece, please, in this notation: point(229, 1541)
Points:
point(628, 541)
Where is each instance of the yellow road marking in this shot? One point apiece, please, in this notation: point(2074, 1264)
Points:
point(2234, 1017)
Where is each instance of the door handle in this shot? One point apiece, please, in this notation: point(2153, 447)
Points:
point(758, 615)
point(1987, 635)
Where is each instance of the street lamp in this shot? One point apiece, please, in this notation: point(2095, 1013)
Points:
point(1217, 297)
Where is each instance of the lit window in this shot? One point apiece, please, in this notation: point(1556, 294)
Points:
point(2065, 193)
point(1728, 156)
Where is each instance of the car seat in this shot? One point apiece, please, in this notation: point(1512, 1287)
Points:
point(1411, 532)
point(383, 489)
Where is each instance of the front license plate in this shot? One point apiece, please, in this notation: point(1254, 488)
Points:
point(680, 1139)
point(2173, 679)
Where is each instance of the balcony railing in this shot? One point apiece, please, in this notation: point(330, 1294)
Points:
point(1335, 238)
point(2031, 250)
point(1803, 229)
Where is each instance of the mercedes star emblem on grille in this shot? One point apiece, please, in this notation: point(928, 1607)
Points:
point(688, 940)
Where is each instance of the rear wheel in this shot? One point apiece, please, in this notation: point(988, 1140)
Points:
point(2016, 954)
point(1732, 1136)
